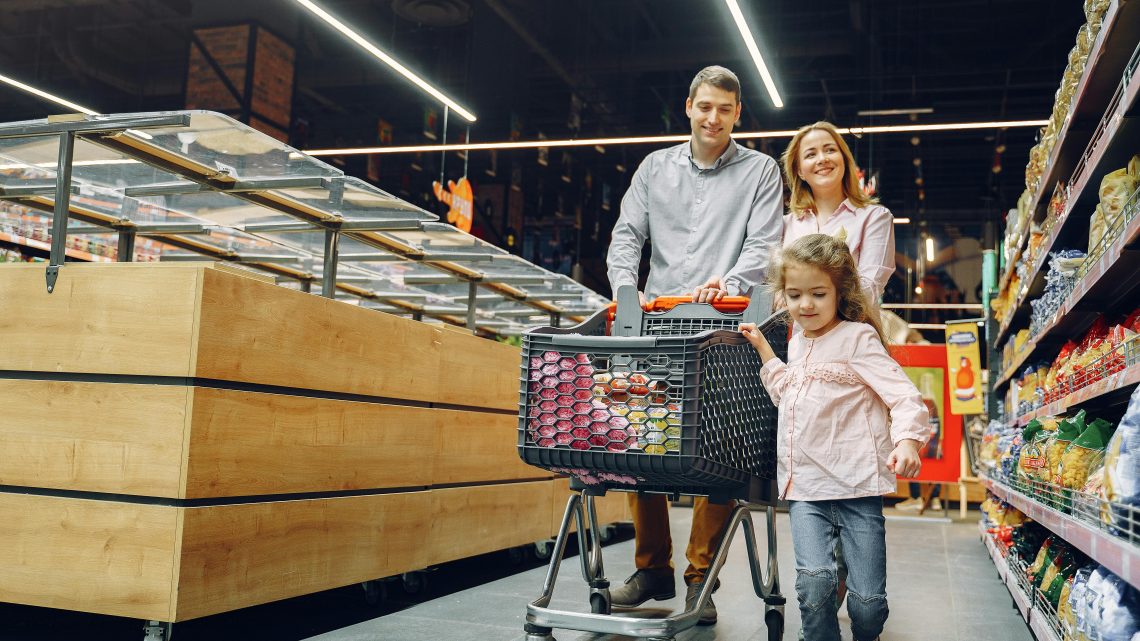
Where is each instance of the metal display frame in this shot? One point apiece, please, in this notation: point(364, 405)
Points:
point(291, 195)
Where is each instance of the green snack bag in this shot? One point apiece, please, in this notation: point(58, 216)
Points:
point(1033, 457)
point(1068, 429)
point(1082, 455)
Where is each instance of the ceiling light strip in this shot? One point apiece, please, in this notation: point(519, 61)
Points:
point(754, 51)
point(47, 96)
point(387, 59)
point(638, 140)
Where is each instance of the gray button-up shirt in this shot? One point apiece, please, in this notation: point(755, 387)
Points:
point(726, 221)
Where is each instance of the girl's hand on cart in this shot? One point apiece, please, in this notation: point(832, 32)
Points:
point(710, 292)
point(904, 460)
point(756, 337)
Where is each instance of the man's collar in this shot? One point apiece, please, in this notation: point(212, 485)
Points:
point(729, 153)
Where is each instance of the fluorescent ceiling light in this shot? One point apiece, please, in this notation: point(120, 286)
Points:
point(929, 248)
point(387, 59)
point(902, 221)
point(895, 112)
point(637, 140)
point(48, 96)
point(750, 42)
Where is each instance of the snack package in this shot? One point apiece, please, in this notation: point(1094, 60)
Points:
point(1067, 609)
point(1083, 454)
point(1044, 557)
point(1115, 189)
point(1033, 461)
point(1122, 470)
point(1118, 617)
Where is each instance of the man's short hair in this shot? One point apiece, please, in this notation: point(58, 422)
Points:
point(718, 77)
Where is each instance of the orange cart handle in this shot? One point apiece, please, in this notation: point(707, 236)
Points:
point(727, 305)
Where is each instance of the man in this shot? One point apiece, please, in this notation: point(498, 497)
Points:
point(713, 213)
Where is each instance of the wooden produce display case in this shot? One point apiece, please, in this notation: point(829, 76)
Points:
point(184, 439)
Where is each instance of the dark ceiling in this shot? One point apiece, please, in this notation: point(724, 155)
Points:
point(629, 61)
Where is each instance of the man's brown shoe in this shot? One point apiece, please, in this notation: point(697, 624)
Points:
point(642, 586)
point(708, 613)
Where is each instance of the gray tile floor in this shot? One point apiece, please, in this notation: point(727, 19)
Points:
point(941, 584)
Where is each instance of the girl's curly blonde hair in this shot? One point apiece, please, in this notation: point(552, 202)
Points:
point(832, 257)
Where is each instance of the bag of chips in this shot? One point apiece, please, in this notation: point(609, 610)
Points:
point(1118, 616)
point(1083, 455)
point(1032, 459)
point(1122, 471)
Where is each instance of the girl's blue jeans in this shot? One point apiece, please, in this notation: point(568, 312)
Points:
point(858, 525)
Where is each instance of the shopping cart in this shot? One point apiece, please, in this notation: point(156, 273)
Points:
point(664, 401)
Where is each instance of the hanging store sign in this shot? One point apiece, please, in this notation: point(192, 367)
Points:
point(962, 356)
point(460, 200)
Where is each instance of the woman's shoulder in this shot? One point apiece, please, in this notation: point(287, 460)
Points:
point(872, 211)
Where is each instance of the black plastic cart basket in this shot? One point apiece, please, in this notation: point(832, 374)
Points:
point(655, 402)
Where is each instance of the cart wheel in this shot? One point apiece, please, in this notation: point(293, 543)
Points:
point(157, 631)
point(543, 549)
point(599, 604)
point(774, 620)
point(414, 582)
point(375, 592)
point(606, 533)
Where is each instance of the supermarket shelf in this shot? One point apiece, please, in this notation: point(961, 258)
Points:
point(1108, 59)
point(1020, 598)
point(1115, 384)
point(999, 560)
point(1041, 626)
point(77, 254)
point(1114, 142)
point(1118, 555)
point(1080, 307)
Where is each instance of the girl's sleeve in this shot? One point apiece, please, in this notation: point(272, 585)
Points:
point(774, 376)
point(871, 363)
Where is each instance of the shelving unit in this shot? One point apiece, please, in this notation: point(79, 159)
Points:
point(1117, 554)
point(1108, 57)
point(1100, 135)
point(1111, 145)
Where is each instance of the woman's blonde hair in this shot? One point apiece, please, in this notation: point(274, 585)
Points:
point(801, 201)
point(832, 257)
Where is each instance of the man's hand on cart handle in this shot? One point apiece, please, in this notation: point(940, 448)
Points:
point(711, 291)
point(904, 460)
point(756, 337)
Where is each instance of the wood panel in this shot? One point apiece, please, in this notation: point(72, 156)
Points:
point(90, 556)
point(479, 446)
point(467, 521)
point(258, 333)
point(611, 508)
point(116, 318)
point(250, 443)
point(975, 492)
point(477, 371)
point(94, 437)
point(236, 556)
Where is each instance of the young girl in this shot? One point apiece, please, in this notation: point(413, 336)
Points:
point(850, 420)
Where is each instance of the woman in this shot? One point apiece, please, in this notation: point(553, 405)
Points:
point(826, 199)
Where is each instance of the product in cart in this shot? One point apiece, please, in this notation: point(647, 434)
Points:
point(1122, 471)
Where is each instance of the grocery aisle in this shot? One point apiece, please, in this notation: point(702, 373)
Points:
point(941, 583)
